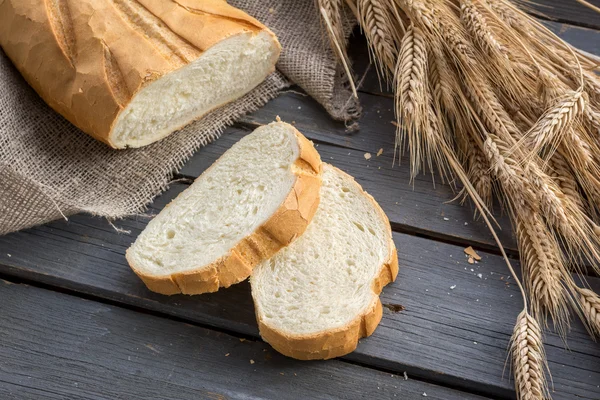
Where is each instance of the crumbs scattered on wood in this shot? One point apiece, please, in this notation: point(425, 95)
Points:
point(242, 340)
point(471, 261)
point(452, 287)
point(251, 361)
point(394, 307)
point(405, 376)
point(469, 251)
point(446, 219)
point(8, 255)
point(379, 152)
point(227, 355)
point(367, 156)
point(479, 276)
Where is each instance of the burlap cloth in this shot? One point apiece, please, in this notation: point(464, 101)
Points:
point(49, 169)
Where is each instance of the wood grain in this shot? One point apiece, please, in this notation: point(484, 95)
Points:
point(56, 346)
point(569, 11)
point(456, 337)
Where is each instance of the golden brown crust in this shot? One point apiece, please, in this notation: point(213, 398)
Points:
point(343, 340)
point(287, 223)
point(88, 58)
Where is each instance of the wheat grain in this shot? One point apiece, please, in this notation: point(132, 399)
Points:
point(528, 359)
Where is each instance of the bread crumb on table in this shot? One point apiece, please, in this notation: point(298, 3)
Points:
point(251, 361)
point(471, 252)
point(379, 152)
point(367, 156)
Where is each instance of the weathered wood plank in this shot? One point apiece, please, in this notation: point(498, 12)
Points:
point(457, 337)
point(56, 346)
point(569, 11)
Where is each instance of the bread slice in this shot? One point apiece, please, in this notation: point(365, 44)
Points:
point(257, 198)
point(317, 297)
point(130, 72)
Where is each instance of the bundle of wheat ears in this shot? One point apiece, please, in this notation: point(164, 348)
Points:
point(492, 97)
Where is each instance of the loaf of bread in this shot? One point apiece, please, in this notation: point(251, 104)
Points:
point(315, 298)
point(257, 198)
point(130, 72)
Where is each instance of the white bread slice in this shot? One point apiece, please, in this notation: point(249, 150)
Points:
point(257, 198)
point(130, 72)
point(317, 297)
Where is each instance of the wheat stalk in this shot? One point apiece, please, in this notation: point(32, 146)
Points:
point(528, 359)
point(333, 11)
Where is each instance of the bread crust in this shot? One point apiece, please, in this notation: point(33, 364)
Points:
point(89, 58)
point(343, 340)
point(287, 223)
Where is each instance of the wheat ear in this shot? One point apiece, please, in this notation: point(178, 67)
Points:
point(528, 359)
point(560, 171)
point(543, 270)
point(477, 26)
point(508, 172)
point(411, 98)
point(590, 308)
point(376, 21)
point(556, 121)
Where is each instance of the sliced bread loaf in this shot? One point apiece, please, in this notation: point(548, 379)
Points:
point(257, 198)
point(318, 296)
point(130, 72)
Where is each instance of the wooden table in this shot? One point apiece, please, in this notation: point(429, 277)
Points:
point(75, 322)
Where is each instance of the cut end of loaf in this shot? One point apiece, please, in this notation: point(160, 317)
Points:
point(224, 73)
point(318, 296)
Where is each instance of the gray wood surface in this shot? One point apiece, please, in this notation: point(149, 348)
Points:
point(56, 346)
point(456, 337)
point(569, 11)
